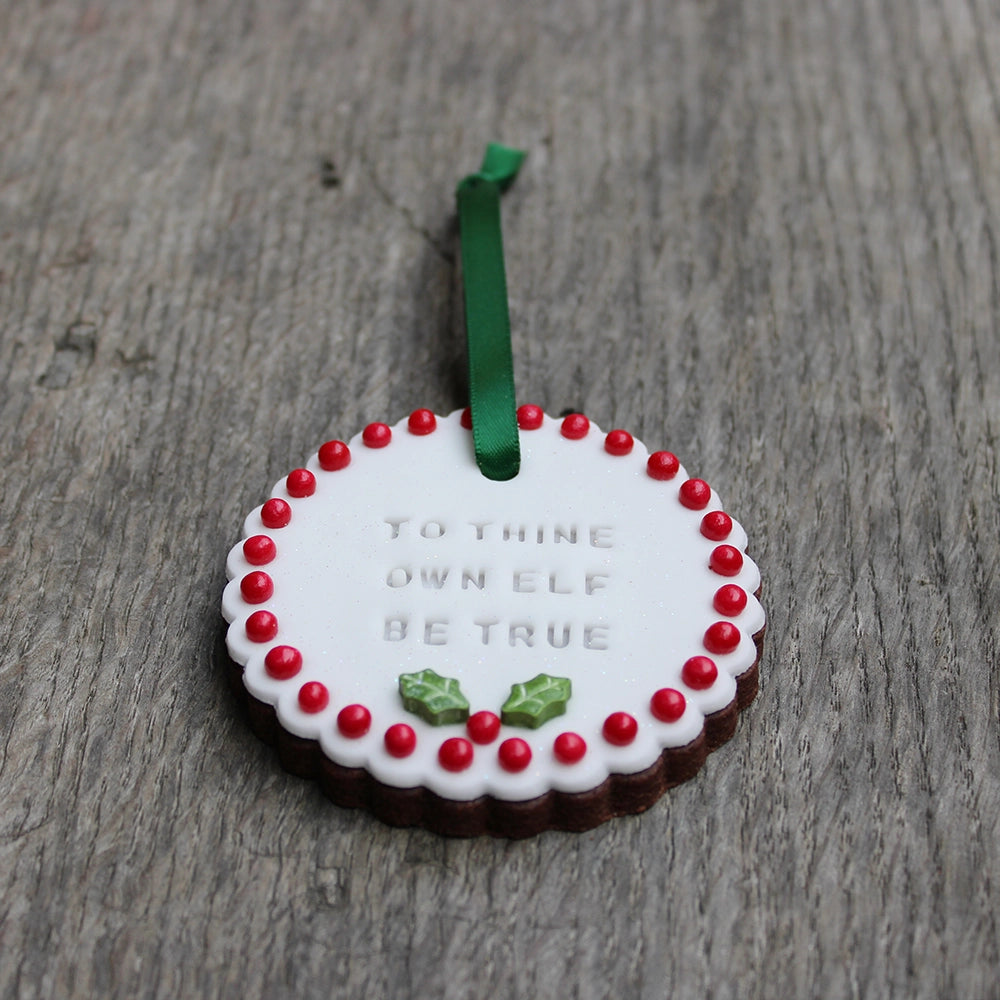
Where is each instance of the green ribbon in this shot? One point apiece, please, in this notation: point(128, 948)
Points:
point(487, 321)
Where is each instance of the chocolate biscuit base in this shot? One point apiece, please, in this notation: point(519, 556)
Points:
point(617, 795)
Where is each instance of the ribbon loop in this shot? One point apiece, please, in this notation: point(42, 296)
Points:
point(487, 320)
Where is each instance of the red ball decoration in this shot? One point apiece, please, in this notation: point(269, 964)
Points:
point(400, 740)
point(530, 417)
point(258, 550)
point(276, 513)
point(483, 727)
point(514, 754)
point(699, 673)
point(376, 435)
point(262, 626)
point(667, 704)
point(730, 600)
point(256, 587)
point(334, 456)
point(422, 422)
point(620, 729)
point(721, 637)
point(716, 525)
point(455, 754)
point(619, 443)
point(313, 697)
point(662, 465)
point(726, 560)
point(466, 419)
point(354, 721)
point(695, 494)
point(569, 748)
point(575, 426)
point(283, 662)
point(300, 483)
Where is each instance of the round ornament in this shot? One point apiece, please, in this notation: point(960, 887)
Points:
point(480, 656)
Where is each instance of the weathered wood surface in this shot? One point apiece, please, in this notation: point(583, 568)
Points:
point(764, 235)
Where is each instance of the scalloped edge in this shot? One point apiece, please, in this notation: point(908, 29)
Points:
point(576, 812)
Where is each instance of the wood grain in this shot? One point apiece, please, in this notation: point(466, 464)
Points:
point(763, 235)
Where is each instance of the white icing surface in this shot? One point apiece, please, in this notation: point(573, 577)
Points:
point(650, 604)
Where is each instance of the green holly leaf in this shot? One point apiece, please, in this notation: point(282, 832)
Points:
point(436, 699)
point(536, 701)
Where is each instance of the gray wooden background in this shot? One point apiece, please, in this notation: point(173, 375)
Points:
point(763, 235)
